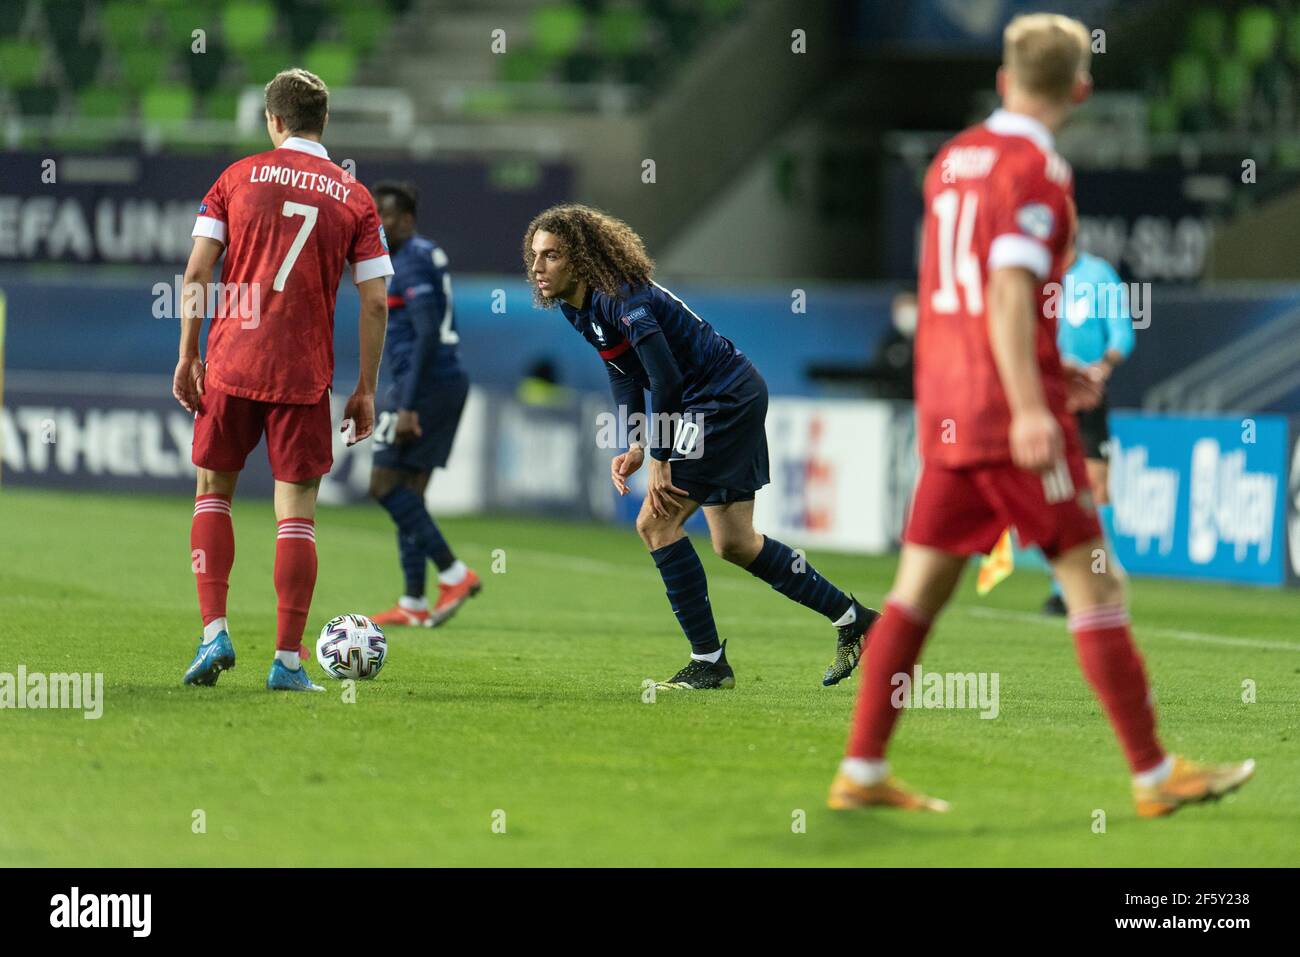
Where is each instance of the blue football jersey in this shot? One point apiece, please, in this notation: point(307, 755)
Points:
point(421, 346)
point(614, 325)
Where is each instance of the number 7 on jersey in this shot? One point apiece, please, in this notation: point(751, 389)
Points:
point(308, 213)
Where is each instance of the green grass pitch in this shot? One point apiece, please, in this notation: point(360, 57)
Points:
point(530, 703)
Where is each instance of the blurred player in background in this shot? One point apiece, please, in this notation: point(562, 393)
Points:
point(420, 411)
point(1093, 332)
point(998, 444)
point(288, 220)
point(597, 270)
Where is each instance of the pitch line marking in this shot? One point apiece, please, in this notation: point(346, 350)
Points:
point(1155, 631)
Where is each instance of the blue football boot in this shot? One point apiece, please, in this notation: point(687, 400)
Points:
point(281, 678)
point(210, 660)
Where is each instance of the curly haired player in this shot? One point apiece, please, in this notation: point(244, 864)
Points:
point(596, 269)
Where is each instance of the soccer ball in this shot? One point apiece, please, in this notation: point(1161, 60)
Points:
point(351, 646)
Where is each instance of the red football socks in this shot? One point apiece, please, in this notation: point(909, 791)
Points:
point(1113, 667)
point(895, 644)
point(295, 579)
point(212, 553)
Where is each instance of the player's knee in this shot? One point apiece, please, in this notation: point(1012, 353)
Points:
point(737, 549)
point(655, 532)
point(380, 485)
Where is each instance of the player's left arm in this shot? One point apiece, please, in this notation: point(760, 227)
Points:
point(428, 311)
point(1119, 325)
point(187, 381)
point(666, 399)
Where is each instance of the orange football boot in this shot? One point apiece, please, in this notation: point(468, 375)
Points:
point(397, 615)
point(451, 597)
point(1189, 783)
point(846, 794)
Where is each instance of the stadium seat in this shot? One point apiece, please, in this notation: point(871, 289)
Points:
point(167, 104)
point(102, 102)
point(141, 67)
point(221, 104)
point(125, 25)
point(524, 65)
point(1162, 115)
point(621, 32)
point(20, 63)
point(1291, 44)
point(260, 65)
point(1256, 35)
point(1232, 87)
point(247, 24)
point(364, 26)
point(1207, 32)
point(1189, 80)
point(557, 30)
point(334, 63)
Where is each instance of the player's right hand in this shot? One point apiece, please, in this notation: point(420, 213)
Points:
point(1036, 440)
point(624, 465)
point(187, 382)
point(359, 414)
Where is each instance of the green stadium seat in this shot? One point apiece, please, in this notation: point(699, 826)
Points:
point(125, 25)
point(260, 65)
point(1232, 87)
point(487, 101)
point(621, 32)
point(1189, 79)
point(523, 65)
point(364, 26)
point(1207, 33)
point(20, 63)
point(1257, 32)
point(1291, 44)
point(334, 63)
point(247, 24)
point(81, 63)
point(1162, 115)
point(180, 20)
point(103, 102)
point(221, 104)
point(557, 29)
point(37, 100)
point(167, 104)
point(141, 67)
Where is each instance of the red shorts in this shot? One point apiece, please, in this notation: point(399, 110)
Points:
point(964, 511)
point(299, 438)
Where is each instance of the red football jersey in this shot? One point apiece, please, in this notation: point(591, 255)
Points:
point(996, 195)
point(289, 219)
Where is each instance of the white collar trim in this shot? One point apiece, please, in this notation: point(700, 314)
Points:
point(305, 146)
point(1006, 123)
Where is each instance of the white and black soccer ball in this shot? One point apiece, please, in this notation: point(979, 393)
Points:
point(351, 646)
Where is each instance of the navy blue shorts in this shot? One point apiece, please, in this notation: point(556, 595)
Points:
point(439, 417)
point(729, 433)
